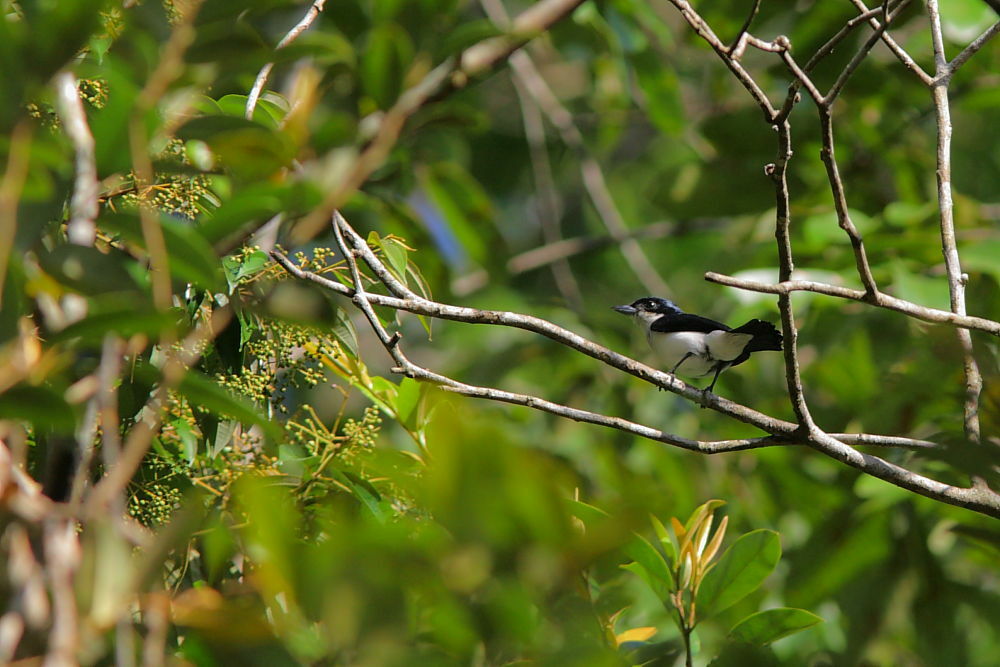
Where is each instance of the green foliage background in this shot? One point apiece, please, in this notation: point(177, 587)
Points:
point(306, 506)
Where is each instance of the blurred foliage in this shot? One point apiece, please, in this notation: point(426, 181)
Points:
point(300, 504)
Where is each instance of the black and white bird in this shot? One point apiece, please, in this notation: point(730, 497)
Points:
point(695, 345)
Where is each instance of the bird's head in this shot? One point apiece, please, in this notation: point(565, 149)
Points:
point(648, 308)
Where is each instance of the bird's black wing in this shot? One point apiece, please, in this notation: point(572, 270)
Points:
point(677, 322)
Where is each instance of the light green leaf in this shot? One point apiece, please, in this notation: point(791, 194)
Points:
point(651, 561)
point(740, 571)
point(345, 333)
point(772, 624)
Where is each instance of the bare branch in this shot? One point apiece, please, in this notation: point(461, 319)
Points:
point(782, 433)
point(706, 33)
point(896, 49)
point(974, 498)
point(304, 23)
point(840, 202)
point(786, 264)
point(973, 48)
point(882, 300)
point(949, 247)
point(81, 228)
point(746, 25)
point(450, 75)
point(862, 53)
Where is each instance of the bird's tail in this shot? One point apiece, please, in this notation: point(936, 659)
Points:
point(765, 335)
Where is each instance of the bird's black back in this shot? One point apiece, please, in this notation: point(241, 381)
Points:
point(677, 322)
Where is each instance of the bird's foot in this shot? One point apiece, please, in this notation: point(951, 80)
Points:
point(704, 397)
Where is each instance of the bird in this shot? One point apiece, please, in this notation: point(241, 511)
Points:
point(698, 346)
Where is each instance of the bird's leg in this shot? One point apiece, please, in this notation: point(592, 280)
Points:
point(673, 371)
point(707, 390)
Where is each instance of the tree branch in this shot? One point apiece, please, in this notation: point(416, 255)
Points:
point(973, 47)
point(782, 433)
point(81, 228)
point(896, 49)
point(949, 248)
point(304, 23)
point(881, 300)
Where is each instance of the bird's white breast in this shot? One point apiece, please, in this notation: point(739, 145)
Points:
point(670, 348)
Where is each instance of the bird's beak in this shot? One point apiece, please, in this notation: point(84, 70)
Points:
point(625, 310)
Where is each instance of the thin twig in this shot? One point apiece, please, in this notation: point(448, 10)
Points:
point(862, 53)
point(786, 264)
point(840, 202)
point(953, 266)
point(705, 32)
point(304, 23)
point(882, 300)
point(973, 48)
point(746, 25)
point(896, 49)
point(81, 228)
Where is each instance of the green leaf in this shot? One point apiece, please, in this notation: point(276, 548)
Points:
point(190, 256)
point(589, 514)
point(188, 439)
point(252, 206)
point(238, 267)
point(666, 542)
point(206, 393)
point(408, 401)
point(387, 54)
point(366, 494)
point(396, 253)
point(464, 205)
point(250, 150)
point(652, 567)
point(740, 571)
point(223, 436)
point(39, 405)
point(88, 270)
point(466, 35)
point(125, 323)
point(345, 333)
point(772, 624)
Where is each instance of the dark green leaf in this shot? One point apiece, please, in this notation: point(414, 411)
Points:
point(123, 323)
point(40, 406)
point(387, 54)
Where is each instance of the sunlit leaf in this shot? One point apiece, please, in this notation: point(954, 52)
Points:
point(741, 570)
